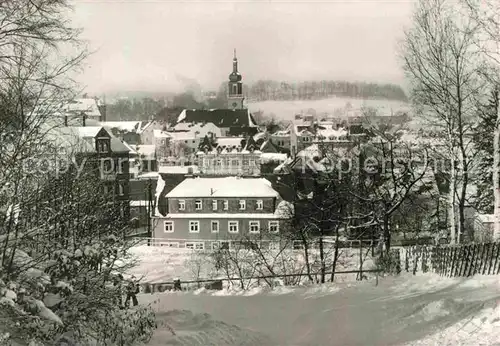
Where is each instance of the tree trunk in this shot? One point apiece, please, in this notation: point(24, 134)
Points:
point(451, 202)
point(322, 258)
point(335, 254)
point(496, 177)
point(386, 235)
point(306, 258)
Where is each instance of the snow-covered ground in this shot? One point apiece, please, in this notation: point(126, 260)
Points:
point(163, 264)
point(286, 110)
point(407, 310)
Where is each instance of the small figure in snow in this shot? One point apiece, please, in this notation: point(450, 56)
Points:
point(118, 284)
point(131, 293)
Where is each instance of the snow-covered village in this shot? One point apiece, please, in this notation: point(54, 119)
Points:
point(299, 173)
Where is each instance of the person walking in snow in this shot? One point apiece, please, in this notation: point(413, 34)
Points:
point(118, 284)
point(131, 294)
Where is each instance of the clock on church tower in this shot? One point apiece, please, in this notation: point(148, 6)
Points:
point(235, 87)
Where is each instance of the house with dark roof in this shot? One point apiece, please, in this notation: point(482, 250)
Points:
point(95, 149)
point(232, 122)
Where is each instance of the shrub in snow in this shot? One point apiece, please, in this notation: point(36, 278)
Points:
point(64, 282)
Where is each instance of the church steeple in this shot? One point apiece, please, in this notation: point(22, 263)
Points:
point(235, 87)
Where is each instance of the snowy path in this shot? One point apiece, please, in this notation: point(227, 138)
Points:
point(393, 313)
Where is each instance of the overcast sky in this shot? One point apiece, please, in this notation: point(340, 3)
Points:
point(153, 45)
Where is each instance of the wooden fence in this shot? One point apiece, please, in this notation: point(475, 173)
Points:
point(457, 260)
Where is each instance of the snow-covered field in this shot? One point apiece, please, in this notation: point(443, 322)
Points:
point(286, 110)
point(407, 310)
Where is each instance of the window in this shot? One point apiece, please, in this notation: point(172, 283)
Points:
point(274, 245)
point(260, 204)
point(102, 146)
point(214, 226)
point(107, 166)
point(195, 245)
point(120, 189)
point(194, 226)
point(215, 245)
point(214, 204)
point(245, 162)
point(182, 204)
point(233, 226)
point(123, 166)
point(218, 163)
point(226, 204)
point(274, 226)
point(170, 244)
point(197, 204)
point(224, 245)
point(105, 189)
point(242, 204)
point(168, 226)
point(235, 163)
point(254, 226)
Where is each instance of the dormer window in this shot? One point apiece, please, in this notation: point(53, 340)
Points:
point(103, 145)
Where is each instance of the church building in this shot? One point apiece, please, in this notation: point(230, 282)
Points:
point(235, 120)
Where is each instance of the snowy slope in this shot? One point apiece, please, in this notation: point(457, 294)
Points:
point(398, 311)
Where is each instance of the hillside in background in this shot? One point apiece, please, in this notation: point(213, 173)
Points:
point(270, 90)
point(282, 99)
point(335, 106)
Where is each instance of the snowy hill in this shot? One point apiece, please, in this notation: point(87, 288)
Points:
point(287, 109)
point(407, 310)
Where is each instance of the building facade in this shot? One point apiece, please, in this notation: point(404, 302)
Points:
point(210, 213)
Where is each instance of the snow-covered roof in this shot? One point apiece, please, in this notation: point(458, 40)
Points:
point(128, 126)
point(182, 136)
point(178, 169)
point(332, 134)
point(161, 134)
point(224, 187)
point(130, 148)
point(229, 141)
point(281, 133)
point(146, 149)
point(259, 135)
point(87, 105)
point(88, 131)
point(149, 175)
point(266, 157)
point(199, 130)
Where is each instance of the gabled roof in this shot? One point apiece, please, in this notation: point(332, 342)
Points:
point(88, 106)
point(219, 117)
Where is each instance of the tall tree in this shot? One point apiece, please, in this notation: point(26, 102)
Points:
point(440, 60)
point(486, 14)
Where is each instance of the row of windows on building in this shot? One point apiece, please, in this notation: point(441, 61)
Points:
point(232, 226)
point(242, 205)
point(227, 244)
point(228, 162)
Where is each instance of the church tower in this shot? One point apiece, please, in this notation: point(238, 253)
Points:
point(235, 87)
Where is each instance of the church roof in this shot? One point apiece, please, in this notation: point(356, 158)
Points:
point(219, 117)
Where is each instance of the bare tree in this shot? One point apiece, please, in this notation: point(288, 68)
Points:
point(486, 15)
point(440, 60)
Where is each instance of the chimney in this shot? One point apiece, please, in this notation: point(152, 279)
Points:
point(84, 118)
point(66, 120)
point(102, 110)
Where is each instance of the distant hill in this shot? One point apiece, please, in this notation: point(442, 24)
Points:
point(270, 90)
point(286, 110)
